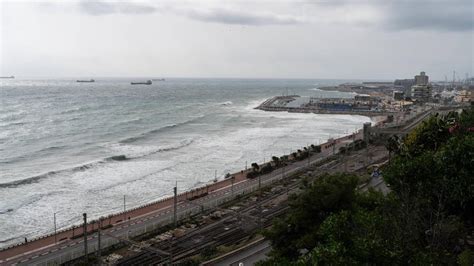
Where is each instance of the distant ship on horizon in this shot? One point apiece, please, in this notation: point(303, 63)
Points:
point(148, 82)
point(9, 77)
point(162, 79)
point(89, 80)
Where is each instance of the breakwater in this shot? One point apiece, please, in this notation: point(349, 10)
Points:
point(269, 105)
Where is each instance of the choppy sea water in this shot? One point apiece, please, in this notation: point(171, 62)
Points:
point(69, 148)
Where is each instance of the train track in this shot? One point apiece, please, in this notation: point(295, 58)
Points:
point(230, 229)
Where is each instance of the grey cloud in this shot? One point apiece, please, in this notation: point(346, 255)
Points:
point(227, 16)
point(430, 15)
point(216, 15)
point(436, 15)
point(104, 8)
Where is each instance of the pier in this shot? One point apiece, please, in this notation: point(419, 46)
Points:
point(277, 104)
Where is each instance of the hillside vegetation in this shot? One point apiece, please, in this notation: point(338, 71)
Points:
point(426, 219)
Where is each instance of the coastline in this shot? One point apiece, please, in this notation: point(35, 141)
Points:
point(165, 203)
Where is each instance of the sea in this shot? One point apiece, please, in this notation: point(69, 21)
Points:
point(67, 148)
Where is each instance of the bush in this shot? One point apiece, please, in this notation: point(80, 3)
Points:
point(252, 174)
point(267, 168)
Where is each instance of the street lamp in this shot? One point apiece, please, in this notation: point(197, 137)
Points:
point(55, 236)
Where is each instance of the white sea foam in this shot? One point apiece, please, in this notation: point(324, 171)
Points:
point(208, 137)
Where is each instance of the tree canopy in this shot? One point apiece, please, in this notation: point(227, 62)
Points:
point(425, 219)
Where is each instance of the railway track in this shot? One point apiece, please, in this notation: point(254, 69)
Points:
point(230, 229)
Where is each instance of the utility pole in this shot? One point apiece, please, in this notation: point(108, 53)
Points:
point(282, 177)
point(85, 238)
point(55, 236)
point(245, 165)
point(175, 205)
point(368, 161)
point(346, 158)
point(309, 157)
point(259, 182)
point(232, 185)
point(99, 261)
point(124, 209)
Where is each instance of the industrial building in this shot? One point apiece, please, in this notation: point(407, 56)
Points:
point(398, 95)
point(421, 79)
point(421, 93)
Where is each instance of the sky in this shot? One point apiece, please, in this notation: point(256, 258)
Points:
point(338, 39)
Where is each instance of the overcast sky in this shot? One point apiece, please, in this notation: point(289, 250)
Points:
point(256, 39)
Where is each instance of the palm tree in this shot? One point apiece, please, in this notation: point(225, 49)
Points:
point(255, 167)
point(276, 160)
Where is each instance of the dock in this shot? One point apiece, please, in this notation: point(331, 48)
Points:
point(277, 104)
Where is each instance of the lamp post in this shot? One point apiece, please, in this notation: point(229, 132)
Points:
point(55, 236)
point(124, 209)
point(99, 261)
point(232, 185)
point(175, 205)
point(85, 238)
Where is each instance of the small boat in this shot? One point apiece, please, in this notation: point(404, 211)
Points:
point(148, 82)
point(82, 80)
point(10, 77)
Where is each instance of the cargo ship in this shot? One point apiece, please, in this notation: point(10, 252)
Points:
point(148, 82)
point(82, 80)
point(10, 77)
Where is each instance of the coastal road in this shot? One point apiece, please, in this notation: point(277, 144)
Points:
point(69, 249)
point(74, 248)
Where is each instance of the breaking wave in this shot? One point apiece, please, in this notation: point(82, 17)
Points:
point(226, 103)
point(75, 110)
point(147, 134)
point(132, 154)
point(36, 179)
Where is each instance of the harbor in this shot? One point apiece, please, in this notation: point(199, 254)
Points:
point(68, 244)
point(294, 103)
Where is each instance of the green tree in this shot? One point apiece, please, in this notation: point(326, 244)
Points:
point(276, 161)
point(298, 230)
point(255, 167)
